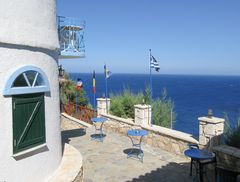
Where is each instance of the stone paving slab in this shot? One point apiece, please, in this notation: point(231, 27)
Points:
point(107, 161)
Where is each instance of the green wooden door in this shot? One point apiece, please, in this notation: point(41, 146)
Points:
point(28, 121)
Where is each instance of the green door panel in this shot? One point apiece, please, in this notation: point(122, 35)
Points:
point(28, 121)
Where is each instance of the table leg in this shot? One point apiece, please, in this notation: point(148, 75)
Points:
point(137, 146)
point(191, 167)
point(215, 171)
point(98, 132)
point(200, 172)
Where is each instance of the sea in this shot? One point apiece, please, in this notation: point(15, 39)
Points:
point(192, 95)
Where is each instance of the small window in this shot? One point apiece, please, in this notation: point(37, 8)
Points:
point(30, 76)
point(39, 80)
point(26, 80)
point(20, 82)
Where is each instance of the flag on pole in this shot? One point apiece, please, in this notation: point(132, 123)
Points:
point(107, 75)
point(94, 82)
point(79, 84)
point(154, 63)
point(94, 90)
point(107, 72)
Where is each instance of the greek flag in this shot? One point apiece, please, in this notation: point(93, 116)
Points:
point(107, 72)
point(154, 64)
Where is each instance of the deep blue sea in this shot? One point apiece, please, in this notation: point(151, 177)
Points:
point(192, 95)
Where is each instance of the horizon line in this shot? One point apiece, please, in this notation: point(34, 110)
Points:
point(173, 74)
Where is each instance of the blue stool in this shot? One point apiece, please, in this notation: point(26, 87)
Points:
point(98, 136)
point(136, 151)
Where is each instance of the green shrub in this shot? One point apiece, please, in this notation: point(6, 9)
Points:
point(116, 107)
point(122, 105)
point(162, 110)
point(234, 138)
point(68, 93)
point(232, 135)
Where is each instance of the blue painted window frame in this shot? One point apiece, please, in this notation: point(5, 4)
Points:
point(10, 90)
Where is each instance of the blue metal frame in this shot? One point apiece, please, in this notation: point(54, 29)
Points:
point(9, 90)
point(136, 145)
point(71, 37)
point(98, 136)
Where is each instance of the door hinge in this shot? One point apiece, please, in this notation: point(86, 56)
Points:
point(14, 142)
point(14, 105)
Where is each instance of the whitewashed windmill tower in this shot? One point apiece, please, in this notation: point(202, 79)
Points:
point(30, 141)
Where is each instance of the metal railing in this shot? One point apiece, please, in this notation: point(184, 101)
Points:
point(71, 36)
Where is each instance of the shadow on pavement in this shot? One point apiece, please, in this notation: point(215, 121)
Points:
point(131, 150)
point(67, 134)
point(172, 172)
point(98, 136)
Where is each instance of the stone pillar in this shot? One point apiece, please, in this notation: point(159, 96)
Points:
point(102, 106)
point(210, 129)
point(143, 114)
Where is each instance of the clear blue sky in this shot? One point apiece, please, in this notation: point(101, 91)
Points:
point(186, 36)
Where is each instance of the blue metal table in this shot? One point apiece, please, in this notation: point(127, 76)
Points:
point(98, 136)
point(136, 151)
point(202, 157)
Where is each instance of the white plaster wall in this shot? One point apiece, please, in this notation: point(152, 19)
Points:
point(29, 22)
point(40, 166)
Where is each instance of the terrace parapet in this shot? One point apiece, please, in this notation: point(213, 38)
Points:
point(167, 139)
point(103, 106)
point(210, 131)
point(143, 114)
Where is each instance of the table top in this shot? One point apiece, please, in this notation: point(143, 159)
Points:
point(137, 132)
point(199, 154)
point(98, 120)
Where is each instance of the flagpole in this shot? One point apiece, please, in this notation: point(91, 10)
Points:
point(94, 90)
point(106, 98)
point(94, 102)
point(150, 84)
point(105, 71)
point(150, 77)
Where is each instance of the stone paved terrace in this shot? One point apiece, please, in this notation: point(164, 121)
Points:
point(108, 162)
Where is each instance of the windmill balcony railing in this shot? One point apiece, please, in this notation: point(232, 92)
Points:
point(71, 36)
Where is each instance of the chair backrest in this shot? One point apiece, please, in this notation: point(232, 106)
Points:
point(193, 146)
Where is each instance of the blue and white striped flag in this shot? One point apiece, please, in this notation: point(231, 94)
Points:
point(154, 64)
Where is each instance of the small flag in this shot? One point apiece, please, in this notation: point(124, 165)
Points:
point(107, 72)
point(94, 82)
point(154, 64)
point(79, 84)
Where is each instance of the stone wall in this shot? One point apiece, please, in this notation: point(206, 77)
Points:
point(66, 119)
point(228, 157)
point(103, 106)
point(142, 114)
point(210, 131)
point(167, 139)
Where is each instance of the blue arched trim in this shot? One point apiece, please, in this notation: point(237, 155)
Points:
point(9, 90)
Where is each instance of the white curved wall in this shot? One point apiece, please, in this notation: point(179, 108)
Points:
point(28, 36)
point(41, 165)
point(29, 22)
